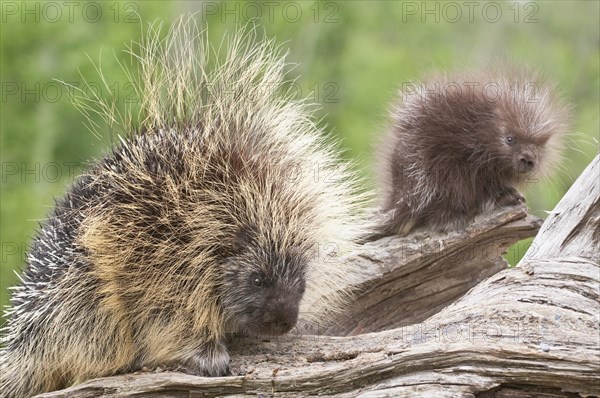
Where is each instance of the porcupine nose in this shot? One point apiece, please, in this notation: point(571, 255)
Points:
point(526, 163)
point(285, 319)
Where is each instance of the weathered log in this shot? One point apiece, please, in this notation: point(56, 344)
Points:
point(411, 278)
point(532, 330)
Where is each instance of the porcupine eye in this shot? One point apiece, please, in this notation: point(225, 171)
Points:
point(256, 280)
point(510, 140)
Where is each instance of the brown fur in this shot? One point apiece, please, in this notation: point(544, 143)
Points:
point(446, 156)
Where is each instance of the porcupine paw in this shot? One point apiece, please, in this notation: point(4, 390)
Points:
point(211, 361)
point(510, 197)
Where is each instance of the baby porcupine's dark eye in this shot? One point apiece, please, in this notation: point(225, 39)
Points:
point(256, 280)
point(510, 140)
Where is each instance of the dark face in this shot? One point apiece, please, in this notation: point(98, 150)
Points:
point(520, 144)
point(521, 154)
point(262, 290)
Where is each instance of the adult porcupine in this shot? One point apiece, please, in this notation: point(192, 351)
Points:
point(461, 143)
point(204, 220)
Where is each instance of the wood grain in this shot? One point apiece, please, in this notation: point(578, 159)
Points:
point(437, 316)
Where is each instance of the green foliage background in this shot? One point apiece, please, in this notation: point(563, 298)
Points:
point(351, 57)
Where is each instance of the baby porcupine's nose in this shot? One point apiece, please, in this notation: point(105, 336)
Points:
point(526, 163)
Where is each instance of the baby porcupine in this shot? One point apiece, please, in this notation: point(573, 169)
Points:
point(461, 143)
point(204, 220)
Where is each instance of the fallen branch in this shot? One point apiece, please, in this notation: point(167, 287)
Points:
point(531, 330)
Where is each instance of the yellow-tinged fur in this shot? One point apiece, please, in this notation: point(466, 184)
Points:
point(133, 266)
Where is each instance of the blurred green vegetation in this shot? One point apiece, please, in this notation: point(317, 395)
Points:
point(351, 57)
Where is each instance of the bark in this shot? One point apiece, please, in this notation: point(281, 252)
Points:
point(436, 316)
